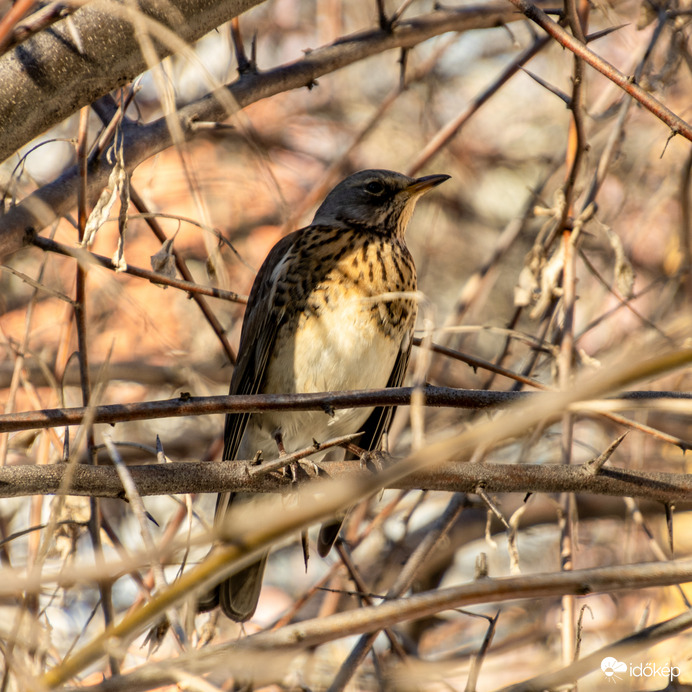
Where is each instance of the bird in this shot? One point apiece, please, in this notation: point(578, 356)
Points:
point(332, 308)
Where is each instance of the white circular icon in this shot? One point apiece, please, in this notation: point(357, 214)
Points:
point(610, 666)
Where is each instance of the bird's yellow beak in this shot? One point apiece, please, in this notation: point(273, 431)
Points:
point(421, 185)
point(413, 193)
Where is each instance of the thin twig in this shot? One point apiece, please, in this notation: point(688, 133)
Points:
point(87, 258)
point(84, 376)
point(450, 130)
point(472, 680)
point(143, 517)
point(627, 84)
point(283, 461)
point(185, 273)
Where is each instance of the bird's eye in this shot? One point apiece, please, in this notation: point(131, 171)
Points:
point(374, 187)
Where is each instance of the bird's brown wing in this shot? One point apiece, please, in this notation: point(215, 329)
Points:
point(260, 326)
point(238, 595)
point(375, 426)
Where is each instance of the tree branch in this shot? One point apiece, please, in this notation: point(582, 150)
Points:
point(212, 477)
point(47, 77)
point(186, 405)
point(626, 83)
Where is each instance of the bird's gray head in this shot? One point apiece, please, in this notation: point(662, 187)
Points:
point(379, 200)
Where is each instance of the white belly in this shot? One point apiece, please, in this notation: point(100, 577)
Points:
point(340, 351)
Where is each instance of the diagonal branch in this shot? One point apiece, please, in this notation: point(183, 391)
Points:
point(48, 77)
point(627, 84)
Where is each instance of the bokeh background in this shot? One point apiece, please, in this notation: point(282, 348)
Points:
point(262, 175)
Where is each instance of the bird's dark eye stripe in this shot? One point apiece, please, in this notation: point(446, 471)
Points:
point(374, 187)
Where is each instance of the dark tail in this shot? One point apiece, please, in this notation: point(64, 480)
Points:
point(238, 595)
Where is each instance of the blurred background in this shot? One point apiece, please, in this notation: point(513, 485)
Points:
point(228, 195)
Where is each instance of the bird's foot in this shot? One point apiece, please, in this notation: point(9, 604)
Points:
point(279, 439)
point(375, 460)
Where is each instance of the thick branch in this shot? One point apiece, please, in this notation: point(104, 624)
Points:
point(211, 477)
point(47, 77)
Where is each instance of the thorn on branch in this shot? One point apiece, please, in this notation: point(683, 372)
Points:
point(403, 59)
point(673, 131)
point(604, 32)
point(552, 89)
point(245, 65)
point(670, 508)
point(74, 34)
point(383, 20)
point(594, 466)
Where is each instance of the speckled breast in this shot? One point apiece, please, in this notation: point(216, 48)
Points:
point(349, 306)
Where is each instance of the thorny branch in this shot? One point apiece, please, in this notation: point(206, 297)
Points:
point(675, 122)
point(466, 477)
point(186, 405)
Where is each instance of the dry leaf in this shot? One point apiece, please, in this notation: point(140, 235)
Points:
point(163, 262)
point(623, 271)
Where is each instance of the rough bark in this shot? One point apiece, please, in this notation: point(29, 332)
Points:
point(48, 77)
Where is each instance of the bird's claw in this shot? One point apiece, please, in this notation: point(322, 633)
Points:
point(375, 460)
